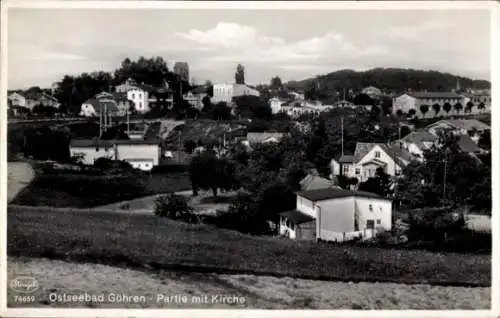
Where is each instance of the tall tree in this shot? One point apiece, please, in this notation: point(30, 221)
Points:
point(424, 109)
point(481, 107)
point(239, 76)
point(458, 107)
point(447, 107)
point(182, 70)
point(436, 107)
point(276, 83)
point(469, 106)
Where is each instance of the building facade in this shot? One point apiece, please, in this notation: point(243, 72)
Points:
point(336, 215)
point(409, 101)
point(141, 154)
point(226, 92)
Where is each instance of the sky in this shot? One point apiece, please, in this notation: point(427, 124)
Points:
point(46, 44)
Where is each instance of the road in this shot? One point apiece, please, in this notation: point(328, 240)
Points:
point(20, 175)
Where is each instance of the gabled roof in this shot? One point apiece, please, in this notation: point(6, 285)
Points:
point(311, 182)
point(254, 137)
point(297, 217)
point(399, 155)
point(418, 137)
point(331, 193)
point(434, 95)
point(346, 159)
point(467, 124)
point(199, 90)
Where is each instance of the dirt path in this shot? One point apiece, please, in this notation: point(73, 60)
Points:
point(246, 291)
point(20, 175)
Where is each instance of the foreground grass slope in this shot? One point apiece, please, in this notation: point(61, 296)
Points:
point(145, 241)
point(262, 292)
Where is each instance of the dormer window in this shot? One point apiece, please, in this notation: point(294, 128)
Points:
point(377, 154)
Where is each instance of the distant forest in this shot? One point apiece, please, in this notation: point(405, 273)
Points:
point(389, 80)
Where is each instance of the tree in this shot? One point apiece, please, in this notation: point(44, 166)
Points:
point(363, 99)
point(276, 83)
point(399, 112)
point(239, 76)
point(458, 107)
point(207, 104)
point(189, 146)
point(379, 184)
point(209, 88)
point(208, 172)
point(424, 109)
point(484, 141)
point(221, 111)
point(481, 107)
point(412, 112)
point(469, 106)
point(172, 206)
point(447, 107)
point(249, 106)
point(182, 69)
point(436, 107)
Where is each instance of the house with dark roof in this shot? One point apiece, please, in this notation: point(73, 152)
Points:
point(417, 142)
point(312, 182)
point(368, 157)
point(414, 100)
point(331, 214)
point(102, 103)
point(141, 154)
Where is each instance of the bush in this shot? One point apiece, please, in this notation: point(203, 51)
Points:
point(173, 206)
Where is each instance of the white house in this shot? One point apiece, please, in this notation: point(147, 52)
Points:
point(141, 154)
point(372, 91)
point(226, 92)
point(472, 127)
point(414, 100)
point(275, 104)
point(344, 104)
point(143, 96)
point(263, 137)
point(17, 99)
point(297, 95)
point(336, 215)
point(368, 157)
point(417, 142)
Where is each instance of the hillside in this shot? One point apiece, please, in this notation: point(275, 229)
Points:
point(387, 79)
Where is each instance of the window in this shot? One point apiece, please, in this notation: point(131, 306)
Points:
point(398, 172)
point(370, 207)
point(346, 169)
point(358, 171)
point(140, 104)
point(370, 224)
point(133, 96)
point(377, 154)
point(379, 221)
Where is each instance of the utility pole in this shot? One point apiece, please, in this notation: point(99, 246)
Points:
point(342, 133)
point(444, 176)
point(179, 148)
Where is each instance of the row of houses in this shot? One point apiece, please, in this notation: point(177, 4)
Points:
point(31, 99)
point(393, 157)
point(326, 212)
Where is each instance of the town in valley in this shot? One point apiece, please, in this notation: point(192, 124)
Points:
point(346, 190)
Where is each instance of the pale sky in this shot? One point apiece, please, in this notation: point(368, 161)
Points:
point(45, 44)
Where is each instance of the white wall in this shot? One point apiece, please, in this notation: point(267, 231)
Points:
point(139, 98)
point(305, 206)
point(292, 234)
point(135, 152)
point(275, 104)
point(404, 103)
point(334, 167)
point(88, 110)
point(336, 215)
point(223, 93)
point(381, 210)
point(91, 153)
point(389, 169)
point(144, 165)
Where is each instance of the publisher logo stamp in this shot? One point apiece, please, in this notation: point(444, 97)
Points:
point(24, 284)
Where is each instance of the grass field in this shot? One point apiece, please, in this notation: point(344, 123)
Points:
point(262, 292)
point(69, 190)
point(146, 241)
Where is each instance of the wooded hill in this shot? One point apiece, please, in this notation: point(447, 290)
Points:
point(390, 80)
